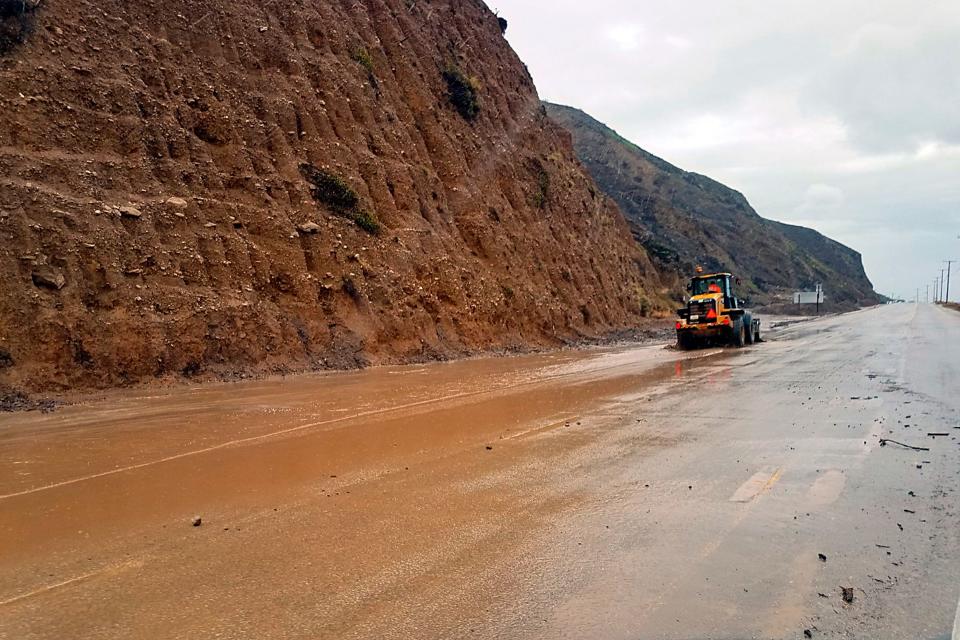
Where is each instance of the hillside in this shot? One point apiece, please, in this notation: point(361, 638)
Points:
point(232, 187)
point(686, 219)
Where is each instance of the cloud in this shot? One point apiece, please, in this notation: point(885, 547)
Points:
point(820, 201)
point(845, 119)
point(897, 88)
point(626, 36)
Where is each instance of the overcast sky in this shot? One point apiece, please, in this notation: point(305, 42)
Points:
point(843, 116)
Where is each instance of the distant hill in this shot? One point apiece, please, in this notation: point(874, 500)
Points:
point(685, 219)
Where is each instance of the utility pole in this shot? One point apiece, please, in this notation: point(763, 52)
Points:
point(936, 290)
point(943, 272)
point(949, 263)
point(927, 299)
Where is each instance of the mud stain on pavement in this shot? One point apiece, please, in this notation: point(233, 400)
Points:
point(758, 483)
point(827, 488)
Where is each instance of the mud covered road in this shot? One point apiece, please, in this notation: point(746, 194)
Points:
point(632, 493)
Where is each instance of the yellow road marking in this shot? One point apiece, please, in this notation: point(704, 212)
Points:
point(759, 483)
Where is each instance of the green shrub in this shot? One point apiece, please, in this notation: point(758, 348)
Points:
point(366, 221)
point(328, 188)
point(334, 192)
point(542, 195)
point(362, 56)
point(462, 91)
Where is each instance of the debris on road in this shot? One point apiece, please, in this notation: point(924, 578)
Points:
point(196, 521)
point(822, 557)
point(884, 441)
point(934, 434)
point(847, 594)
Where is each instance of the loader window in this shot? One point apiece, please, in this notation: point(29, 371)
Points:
point(701, 286)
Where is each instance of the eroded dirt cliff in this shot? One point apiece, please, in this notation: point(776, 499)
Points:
point(176, 183)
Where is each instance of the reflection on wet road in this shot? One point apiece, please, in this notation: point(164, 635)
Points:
point(628, 493)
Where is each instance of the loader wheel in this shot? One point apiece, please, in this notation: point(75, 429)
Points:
point(756, 337)
point(684, 341)
point(739, 333)
point(748, 328)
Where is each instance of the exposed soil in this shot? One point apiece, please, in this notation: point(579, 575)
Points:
point(159, 216)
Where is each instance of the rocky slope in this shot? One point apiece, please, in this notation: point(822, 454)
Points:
point(686, 219)
point(230, 186)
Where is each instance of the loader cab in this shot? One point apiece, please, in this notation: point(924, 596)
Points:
point(711, 284)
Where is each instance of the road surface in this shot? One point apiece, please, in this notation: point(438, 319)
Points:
point(624, 493)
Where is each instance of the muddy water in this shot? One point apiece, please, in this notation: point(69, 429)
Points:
point(129, 429)
point(124, 470)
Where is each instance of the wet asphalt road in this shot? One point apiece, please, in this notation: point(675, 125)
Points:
point(631, 493)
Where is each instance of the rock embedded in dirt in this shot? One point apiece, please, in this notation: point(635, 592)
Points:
point(823, 558)
point(177, 202)
point(49, 277)
point(130, 212)
point(847, 594)
point(196, 521)
point(309, 227)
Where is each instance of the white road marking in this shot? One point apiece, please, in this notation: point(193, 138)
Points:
point(50, 587)
point(956, 623)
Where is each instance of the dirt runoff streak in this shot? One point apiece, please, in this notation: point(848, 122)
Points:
point(311, 425)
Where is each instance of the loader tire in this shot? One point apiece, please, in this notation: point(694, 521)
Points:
point(748, 326)
point(739, 333)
